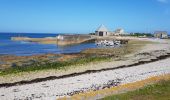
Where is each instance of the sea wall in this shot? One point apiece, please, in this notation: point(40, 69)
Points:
point(60, 40)
point(64, 40)
point(74, 39)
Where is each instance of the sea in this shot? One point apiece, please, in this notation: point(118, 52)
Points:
point(22, 48)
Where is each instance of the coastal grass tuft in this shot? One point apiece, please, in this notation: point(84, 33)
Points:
point(60, 65)
point(158, 91)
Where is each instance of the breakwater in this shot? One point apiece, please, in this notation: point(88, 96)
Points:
point(64, 40)
point(61, 40)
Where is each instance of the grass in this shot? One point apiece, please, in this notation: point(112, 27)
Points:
point(56, 65)
point(158, 91)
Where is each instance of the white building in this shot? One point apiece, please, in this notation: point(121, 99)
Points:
point(102, 31)
point(119, 31)
point(161, 34)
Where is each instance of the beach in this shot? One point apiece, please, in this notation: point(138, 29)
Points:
point(84, 50)
point(152, 60)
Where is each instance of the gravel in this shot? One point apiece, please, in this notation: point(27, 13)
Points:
point(50, 90)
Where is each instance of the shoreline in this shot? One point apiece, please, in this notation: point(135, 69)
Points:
point(9, 61)
point(151, 60)
point(58, 88)
point(81, 73)
point(144, 54)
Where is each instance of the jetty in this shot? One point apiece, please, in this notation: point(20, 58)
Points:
point(64, 40)
point(61, 40)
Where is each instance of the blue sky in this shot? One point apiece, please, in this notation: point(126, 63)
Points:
point(83, 16)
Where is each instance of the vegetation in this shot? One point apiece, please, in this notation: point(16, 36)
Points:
point(91, 33)
point(159, 91)
point(56, 65)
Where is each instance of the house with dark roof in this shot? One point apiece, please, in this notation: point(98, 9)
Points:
point(102, 31)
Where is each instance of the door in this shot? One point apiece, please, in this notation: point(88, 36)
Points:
point(100, 33)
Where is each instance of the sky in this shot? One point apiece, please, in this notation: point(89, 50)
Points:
point(83, 16)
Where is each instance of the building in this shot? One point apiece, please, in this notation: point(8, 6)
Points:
point(160, 34)
point(102, 31)
point(119, 32)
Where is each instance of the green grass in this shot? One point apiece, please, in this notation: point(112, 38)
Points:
point(56, 65)
point(158, 91)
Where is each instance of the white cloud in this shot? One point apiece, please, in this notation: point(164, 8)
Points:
point(163, 1)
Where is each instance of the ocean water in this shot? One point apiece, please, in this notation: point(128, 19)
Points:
point(21, 48)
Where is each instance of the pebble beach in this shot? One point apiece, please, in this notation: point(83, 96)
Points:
point(56, 88)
